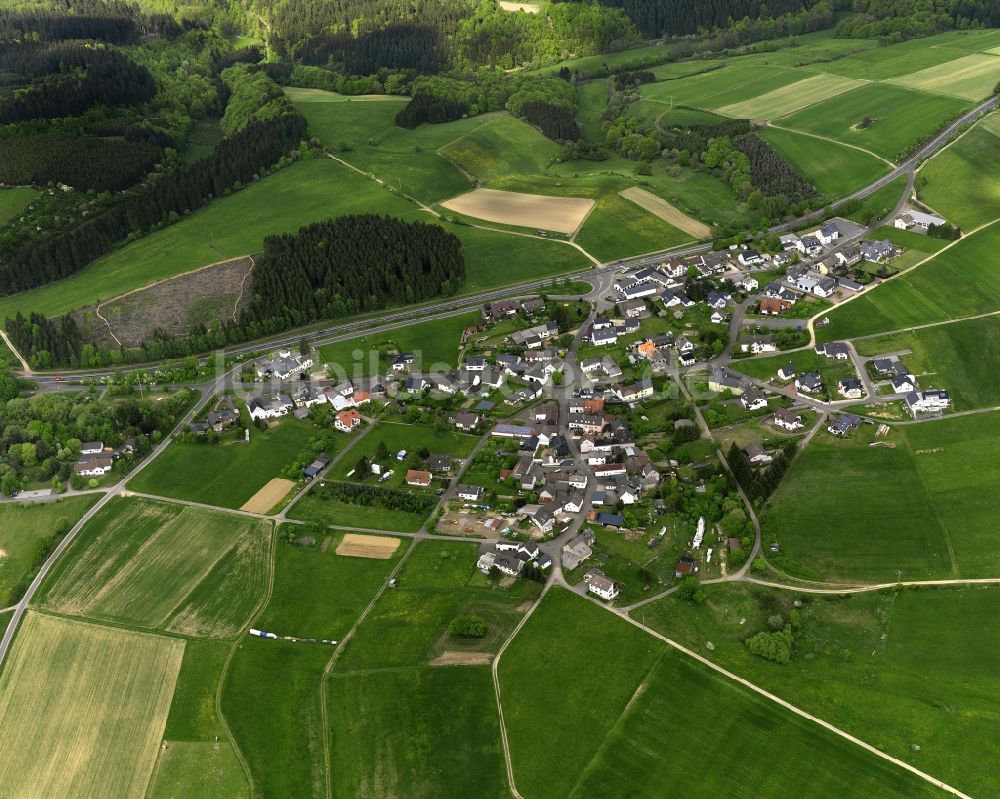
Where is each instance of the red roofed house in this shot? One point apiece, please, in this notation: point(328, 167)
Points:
point(361, 396)
point(415, 477)
point(347, 420)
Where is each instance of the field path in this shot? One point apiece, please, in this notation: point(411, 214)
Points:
point(789, 706)
point(10, 345)
point(834, 141)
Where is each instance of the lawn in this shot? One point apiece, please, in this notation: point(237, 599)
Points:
point(103, 694)
point(423, 733)
point(140, 562)
point(834, 171)
point(954, 182)
point(962, 357)
point(226, 475)
point(789, 98)
point(831, 370)
point(13, 201)
point(909, 672)
point(24, 527)
point(435, 343)
point(972, 77)
point(660, 718)
point(900, 117)
point(957, 282)
point(409, 625)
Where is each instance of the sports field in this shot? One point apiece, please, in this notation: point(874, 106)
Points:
point(561, 214)
point(908, 671)
point(972, 77)
point(82, 709)
point(847, 511)
point(138, 561)
point(226, 475)
point(957, 282)
point(623, 733)
point(954, 182)
point(667, 212)
point(790, 98)
point(24, 527)
point(834, 170)
point(899, 117)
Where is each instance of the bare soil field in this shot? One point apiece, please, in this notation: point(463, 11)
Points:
point(657, 206)
point(207, 296)
point(368, 546)
point(462, 659)
point(268, 496)
point(456, 521)
point(561, 214)
point(83, 708)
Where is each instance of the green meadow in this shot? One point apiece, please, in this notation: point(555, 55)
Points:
point(13, 201)
point(954, 182)
point(653, 719)
point(909, 672)
point(850, 512)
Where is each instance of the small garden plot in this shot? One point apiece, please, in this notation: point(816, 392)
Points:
point(790, 98)
point(560, 214)
point(971, 78)
point(103, 694)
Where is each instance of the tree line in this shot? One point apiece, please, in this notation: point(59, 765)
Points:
point(377, 496)
point(897, 20)
point(760, 484)
point(235, 160)
point(114, 21)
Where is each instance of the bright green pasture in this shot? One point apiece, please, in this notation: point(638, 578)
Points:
point(436, 341)
point(733, 78)
point(848, 511)
point(225, 228)
point(321, 509)
point(972, 77)
point(787, 99)
point(880, 203)
point(892, 61)
point(623, 733)
point(962, 357)
point(835, 171)
point(23, 527)
point(592, 100)
point(957, 182)
point(908, 672)
point(900, 117)
point(191, 768)
point(409, 624)
point(424, 732)
point(13, 201)
point(502, 146)
point(225, 474)
point(192, 710)
point(958, 281)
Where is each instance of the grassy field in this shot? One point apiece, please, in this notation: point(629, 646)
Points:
point(192, 711)
point(766, 368)
point(502, 146)
point(409, 625)
point(271, 693)
point(834, 171)
point(942, 357)
point(12, 201)
point(904, 58)
point(847, 511)
point(226, 475)
point(189, 768)
point(142, 562)
point(435, 341)
point(718, 87)
point(881, 202)
point(909, 672)
point(654, 718)
point(422, 732)
point(103, 694)
point(790, 98)
point(971, 77)
point(901, 117)
point(959, 281)
point(954, 182)
point(23, 527)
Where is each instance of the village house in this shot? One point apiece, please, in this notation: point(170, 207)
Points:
point(757, 455)
point(835, 350)
point(470, 493)
point(903, 384)
point(851, 388)
point(877, 251)
point(828, 233)
point(91, 447)
point(346, 421)
point(93, 467)
point(773, 306)
point(723, 380)
point(603, 337)
point(758, 344)
point(631, 309)
point(418, 478)
point(749, 257)
point(934, 401)
point(748, 284)
point(786, 372)
point(283, 365)
point(787, 420)
point(577, 550)
point(842, 425)
point(467, 421)
point(753, 399)
point(268, 406)
point(810, 382)
point(599, 584)
point(918, 221)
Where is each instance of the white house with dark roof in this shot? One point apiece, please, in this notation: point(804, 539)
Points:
point(923, 402)
point(787, 420)
point(599, 584)
point(810, 382)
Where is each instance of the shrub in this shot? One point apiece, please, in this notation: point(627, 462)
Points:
point(776, 646)
point(468, 626)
